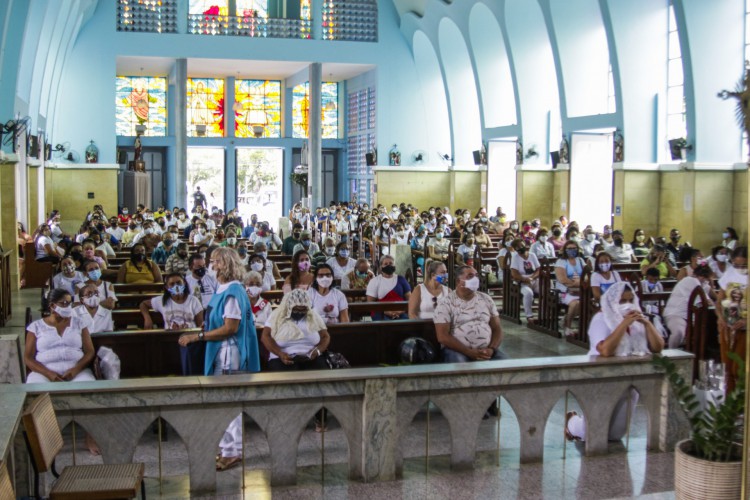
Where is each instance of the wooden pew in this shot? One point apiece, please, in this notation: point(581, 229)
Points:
point(588, 309)
point(154, 353)
point(549, 304)
point(35, 273)
point(511, 295)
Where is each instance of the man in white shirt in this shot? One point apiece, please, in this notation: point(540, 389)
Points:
point(200, 284)
point(621, 252)
point(448, 216)
point(114, 229)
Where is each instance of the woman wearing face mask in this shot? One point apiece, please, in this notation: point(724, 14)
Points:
point(556, 239)
point(58, 347)
point(138, 269)
point(93, 276)
point(300, 277)
point(676, 310)
point(341, 263)
point(542, 248)
point(383, 235)
point(730, 238)
point(438, 247)
point(731, 312)
point(177, 307)
point(388, 287)
point(525, 269)
point(640, 245)
point(620, 329)
point(507, 251)
point(328, 302)
point(89, 253)
point(231, 340)
point(359, 277)
point(718, 260)
point(514, 226)
point(68, 277)
point(694, 257)
point(465, 252)
point(261, 307)
point(418, 247)
point(568, 270)
point(257, 263)
point(201, 235)
point(603, 276)
point(426, 296)
point(46, 249)
point(400, 236)
point(91, 311)
point(481, 238)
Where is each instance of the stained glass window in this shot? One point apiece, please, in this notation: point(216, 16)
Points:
point(205, 106)
point(329, 112)
point(305, 8)
point(151, 16)
point(257, 100)
point(209, 7)
point(252, 8)
point(141, 100)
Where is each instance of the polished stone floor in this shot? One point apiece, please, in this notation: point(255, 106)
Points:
point(627, 471)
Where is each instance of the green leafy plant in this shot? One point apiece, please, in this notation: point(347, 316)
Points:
point(715, 431)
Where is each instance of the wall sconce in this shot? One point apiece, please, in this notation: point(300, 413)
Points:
point(256, 119)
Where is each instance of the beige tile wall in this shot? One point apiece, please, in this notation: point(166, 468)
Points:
point(69, 190)
point(423, 189)
point(535, 190)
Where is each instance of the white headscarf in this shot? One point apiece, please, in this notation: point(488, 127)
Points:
point(634, 342)
point(283, 328)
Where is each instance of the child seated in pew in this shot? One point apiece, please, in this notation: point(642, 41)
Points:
point(651, 284)
point(93, 276)
point(92, 311)
point(177, 307)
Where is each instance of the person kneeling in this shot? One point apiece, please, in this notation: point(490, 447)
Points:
point(620, 329)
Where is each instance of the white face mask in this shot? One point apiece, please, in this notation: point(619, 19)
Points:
point(92, 301)
point(257, 266)
point(254, 291)
point(330, 250)
point(232, 241)
point(743, 271)
point(721, 257)
point(65, 312)
point(472, 284)
point(324, 281)
point(543, 239)
point(626, 308)
point(590, 237)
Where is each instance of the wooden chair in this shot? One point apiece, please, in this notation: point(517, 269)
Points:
point(6, 486)
point(45, 441)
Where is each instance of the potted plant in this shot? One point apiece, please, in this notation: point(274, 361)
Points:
point(708, 465)
point(300, 179)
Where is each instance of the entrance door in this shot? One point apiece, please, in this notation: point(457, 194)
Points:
point(260, 183)
point(501, 178)
point(591, 179)
point(330, 177)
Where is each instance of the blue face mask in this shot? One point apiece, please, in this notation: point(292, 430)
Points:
point(572, 253)
point(344, 253)
point(263, 254)
point(242, 252)
point(441, 278)
point(176, 290)
point(305, 243)
point(95, 274)
point(361, 275)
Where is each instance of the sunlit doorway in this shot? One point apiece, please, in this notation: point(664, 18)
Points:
point(501, 178)
point(205, 169)
point(591, 179)
point(260, 183)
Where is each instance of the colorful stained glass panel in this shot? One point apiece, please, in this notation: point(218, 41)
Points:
point(205, 106)
point(141, 100)
point(209, 7)
point(257, 97)
point(329, 111)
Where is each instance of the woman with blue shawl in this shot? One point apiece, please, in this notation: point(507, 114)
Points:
point(231, 340)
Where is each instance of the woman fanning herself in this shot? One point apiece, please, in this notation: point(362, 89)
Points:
point(231, 341)
point(620, 329)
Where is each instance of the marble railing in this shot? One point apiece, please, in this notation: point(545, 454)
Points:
point(374, 406)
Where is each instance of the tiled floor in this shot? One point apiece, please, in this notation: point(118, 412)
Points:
point(322, 471)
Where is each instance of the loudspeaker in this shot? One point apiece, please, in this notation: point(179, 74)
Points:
point(477, 157)
point(675, 149)
point(370, 159)
point(122, 156)
point(555, 158)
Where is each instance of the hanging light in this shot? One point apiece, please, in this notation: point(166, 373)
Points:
point(257, 120)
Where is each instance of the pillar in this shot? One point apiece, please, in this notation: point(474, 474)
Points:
point(8, 214)
point(315, 135)
point(179, 118)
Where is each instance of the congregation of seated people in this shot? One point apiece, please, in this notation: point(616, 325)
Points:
point(455, 262)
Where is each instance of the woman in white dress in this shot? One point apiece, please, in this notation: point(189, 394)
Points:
point(426, 296)
point(329, 302)
point(59, 347)
point(620, 329)
point(179, 309)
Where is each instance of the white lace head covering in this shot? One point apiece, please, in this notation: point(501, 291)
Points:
point(610, 302)
point(284, 328)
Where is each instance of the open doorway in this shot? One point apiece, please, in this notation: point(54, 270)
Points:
point(260, 183)
point(591, 179)
point(501, 177)
point(205, 169)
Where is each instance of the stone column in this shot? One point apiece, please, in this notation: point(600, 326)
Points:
point(180, 132)
point(315, 134)
point(379, 430)
point(8, 214)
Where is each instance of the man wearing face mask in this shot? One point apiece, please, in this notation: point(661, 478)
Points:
point(291, 241)
point(621, 252)
point(200, 284)
point(467, 323)
point(164, 249)
point(178, 261)
point(306, 244)
point(673, 247)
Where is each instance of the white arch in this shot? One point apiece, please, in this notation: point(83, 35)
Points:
point(462, 93)
point(493, 68)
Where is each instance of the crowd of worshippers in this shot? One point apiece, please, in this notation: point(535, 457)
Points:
point(214, 269)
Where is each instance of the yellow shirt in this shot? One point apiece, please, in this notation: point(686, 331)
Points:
point(133, 275)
